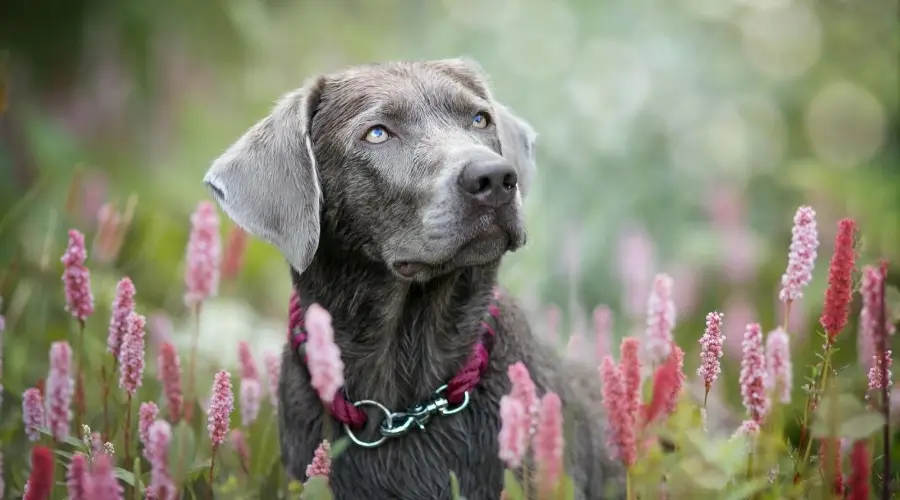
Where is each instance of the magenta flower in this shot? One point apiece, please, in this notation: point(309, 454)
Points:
point(802, 256)
point(221, 404)
point(248, 364)
point(514, 431)
point(78, 480)
point(660, 320)
point(870, 336)
point(104, 485)
point(840, 281)
point(60, 388)
point(131, 355)
point(159, 437)
point(321, 463)
point(204, 252)
point(326, 370)
point(169, 373)
point(779, 372)
point(603, 319)
point(77, 278)
point(272, 361)
point(678, 380)
point(753, 374)
point(880, 371)
point(630, 368)
point(525, 392)
point(711, 344)
point(621, 439)
point(147, 414)
point(251, 394)
point(747, 428)
point(122, 307)
point(548, 442)
point(33, 413)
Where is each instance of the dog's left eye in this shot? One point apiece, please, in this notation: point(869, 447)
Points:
point(377, 135)
point(481, 120)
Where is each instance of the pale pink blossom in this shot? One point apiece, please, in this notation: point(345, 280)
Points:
point(321, 462)
point(33, 413)
point(514, 431)
point(159, 326)
point(221, 404)
point(161, 485)
point(685, 282)
point(77, 278)
point(747, 428)
point(524, 390)
point(272, 361)
point(630, 368)
point(326, 369)
point(204, 252)
point(621, 433)
point(636, 261)
point(77, 478)
point(104, 485)
point(740, 311)
point(122, 307)
point(872, 302)
point(678, 380)
point(147, 414)
point(802, 256)
point(753, 374)
point(779, 371)
point(169, 373)
point(131, 355)
point(247, 363)
point(711, 344)
point(554, 316)
point(548, 442)
point(603, 326)
point(239, 443)
point(660, 320)
point(60, 389)
point(251, 395)
point(880, 371)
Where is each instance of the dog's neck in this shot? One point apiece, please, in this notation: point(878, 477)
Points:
point(399, 340)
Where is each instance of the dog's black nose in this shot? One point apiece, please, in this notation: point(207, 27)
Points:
point(491, 182)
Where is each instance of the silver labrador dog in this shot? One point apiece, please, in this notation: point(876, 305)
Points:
point(394, 190)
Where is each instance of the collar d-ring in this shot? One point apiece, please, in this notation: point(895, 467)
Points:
point(360, 442)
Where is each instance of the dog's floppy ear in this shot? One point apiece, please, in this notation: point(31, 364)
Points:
point(517, 139)
point(267, 183)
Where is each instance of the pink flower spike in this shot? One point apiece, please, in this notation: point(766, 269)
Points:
point(514, 431)
point(779, 371)
point(77, 478)
point(122, 307)
point(747, 428)
point(272, 361)
point(104, 485)
point(621, 440)
point(802, 256)
point(204, 251)
point(321, 462)
point(60, 389)
point(77, 278)
point(326, 369)
point(880, 371)
point(660, 320)
point(148, 414)
point(753, 374)
point(248, 364)
point(630, 368)
point(251, 395)
point(159, 437)
point(678, 380)
point(131, 355)
point(169, 373)
point(525, 392)
point(33, 413)
point(548, 443)
point(603, 322)
point(221, 404)
point(711, 344)
point(239, 443)
point(871, 336)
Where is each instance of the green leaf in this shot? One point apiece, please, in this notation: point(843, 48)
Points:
point(339, 446)
point(853, 420)
point(182, 451)
point(126, 475)
point(566, 488)
point(454, 486)
point(316, 488)
point(64, 454)
point(512, 486)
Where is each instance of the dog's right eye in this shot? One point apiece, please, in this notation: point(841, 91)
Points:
point(377, 135)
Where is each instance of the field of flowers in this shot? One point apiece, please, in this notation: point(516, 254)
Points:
point(117, 417)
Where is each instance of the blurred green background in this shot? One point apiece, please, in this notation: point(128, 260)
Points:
point(675, 137)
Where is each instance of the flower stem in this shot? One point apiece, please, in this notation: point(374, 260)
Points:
point(881, 350)
point(128, 429)
point(629, 489)
point(212, 466)
point(79, 379)
point(191, 397)
point(811, 403)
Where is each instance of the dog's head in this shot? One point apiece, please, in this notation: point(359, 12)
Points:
point(412, 163)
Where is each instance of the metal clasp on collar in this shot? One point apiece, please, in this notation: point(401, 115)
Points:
point(396, 424)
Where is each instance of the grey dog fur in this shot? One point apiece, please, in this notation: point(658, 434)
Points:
point(345, 213)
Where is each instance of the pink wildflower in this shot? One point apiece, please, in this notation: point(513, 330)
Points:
point(667, 382)
point(122, 307)
point(861, 471)
point(131, 355)
point(514, 430)
point(40, 481)
point(548, 442)
point(33, 413)
point(248, 364)
point(830, 461)
point(169, 373)
point(880, 371)
point(235, 248)
point(77, 479)
point(77, 278)
point(60, 387)
point(203, 254)
point(621, 439)
point(104, 484)
point(251, 394)
point(326, 369)
point(221, 404)
point(321, 462)
point(778, 364)
point(272, 361)
point(711, 344)
point(630, 368)
point(239, 443)
point(159, 437)
point(747, 428)
point(525, 392)
point(148, 414)
point(871, 337)
point(660, 320)
point(802, 256)
point(636, 258)
point(553, 318)
point(678, 382)
point(753, 374)
point(160, 328)
point(602, 331)
point(840, 281)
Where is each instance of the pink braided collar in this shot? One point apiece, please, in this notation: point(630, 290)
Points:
point(449, 399)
